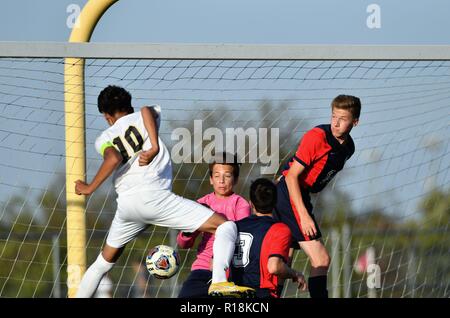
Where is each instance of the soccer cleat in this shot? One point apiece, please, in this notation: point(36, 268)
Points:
point(229, 289)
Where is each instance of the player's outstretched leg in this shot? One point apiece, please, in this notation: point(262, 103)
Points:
point(223, 250)
point(102, 265)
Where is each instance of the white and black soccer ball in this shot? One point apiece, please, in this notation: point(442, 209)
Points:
point(163, 262)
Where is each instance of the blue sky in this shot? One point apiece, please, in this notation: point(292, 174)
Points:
point(234, 21)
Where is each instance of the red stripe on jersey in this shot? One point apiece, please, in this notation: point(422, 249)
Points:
point(297, 218)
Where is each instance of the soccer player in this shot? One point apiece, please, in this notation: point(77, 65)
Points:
point(262, 250)
point(132, 149)
point(321, 154)
point(223, 176)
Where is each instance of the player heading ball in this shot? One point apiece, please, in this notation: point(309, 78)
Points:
point(321, 154)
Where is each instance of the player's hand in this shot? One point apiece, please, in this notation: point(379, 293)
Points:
point(300, 280)
point(82, 187)
point(145, 157)
point(308, 226)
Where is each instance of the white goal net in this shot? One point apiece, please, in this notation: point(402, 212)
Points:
point(384, 218)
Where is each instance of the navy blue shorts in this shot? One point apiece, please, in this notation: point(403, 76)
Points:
point(284, 212)
point(196, 285)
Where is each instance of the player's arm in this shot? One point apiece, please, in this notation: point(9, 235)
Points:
point(276, 266)
point(276, 243)
point(150, 125)
point(307, 223)
point(187, 239)
point(111, 160)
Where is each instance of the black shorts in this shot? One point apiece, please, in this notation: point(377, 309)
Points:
point(196, 285)
point(285, 212)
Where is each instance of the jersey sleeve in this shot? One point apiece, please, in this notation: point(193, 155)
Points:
point(243, 209)
point(203, 200)
point(278, 241)
point(311, 146)
point(101, 143)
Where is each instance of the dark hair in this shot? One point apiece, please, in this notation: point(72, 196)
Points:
point(263, 195)
point(348, 102)
point(225, 158)
point(114, 99)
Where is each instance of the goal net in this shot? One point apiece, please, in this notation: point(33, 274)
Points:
point(384, 218)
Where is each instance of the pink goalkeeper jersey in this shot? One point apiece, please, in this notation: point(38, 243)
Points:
point(233, 208)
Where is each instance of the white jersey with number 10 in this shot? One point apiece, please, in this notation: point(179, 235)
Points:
point(129, 136)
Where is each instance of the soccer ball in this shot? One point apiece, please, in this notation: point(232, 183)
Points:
point(163, 262)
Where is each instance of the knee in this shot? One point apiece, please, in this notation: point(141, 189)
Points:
point(213, 223)
point(226, 230)
point(321, 261)
point(227, 226)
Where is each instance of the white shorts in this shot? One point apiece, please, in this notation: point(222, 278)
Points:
point(135, 212)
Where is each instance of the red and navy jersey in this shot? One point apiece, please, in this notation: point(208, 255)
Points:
point(322, 156)
point(260, 237)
